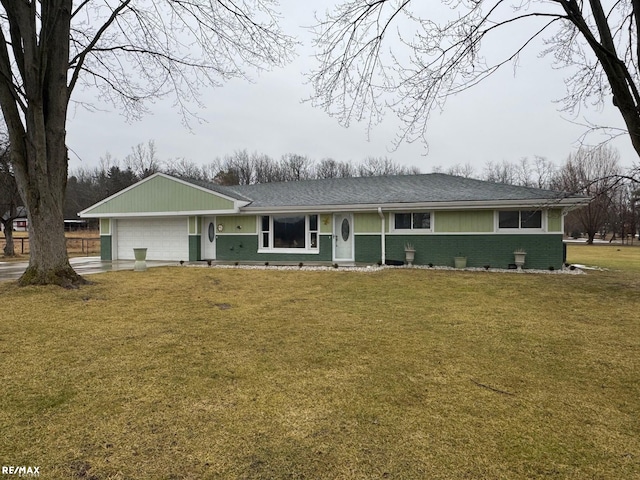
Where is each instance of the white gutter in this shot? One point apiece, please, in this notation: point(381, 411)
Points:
point(537, 204)
point(382, 236)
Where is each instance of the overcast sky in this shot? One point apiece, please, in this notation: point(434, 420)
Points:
point(505, 118)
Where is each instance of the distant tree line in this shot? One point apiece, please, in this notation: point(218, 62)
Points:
point(88, 186)
point(614, 212)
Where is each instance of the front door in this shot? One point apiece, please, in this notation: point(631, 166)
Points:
point(209, 238)
point(343, 237)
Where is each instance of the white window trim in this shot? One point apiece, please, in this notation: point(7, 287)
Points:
point(543, 221)
point(412, 231)
point(308, 250)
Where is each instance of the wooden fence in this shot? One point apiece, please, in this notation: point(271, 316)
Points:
point(75, 245)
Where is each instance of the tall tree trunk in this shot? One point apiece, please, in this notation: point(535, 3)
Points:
point(9, 250)
point(42, 186)
point(48, 260)
point(36, 127)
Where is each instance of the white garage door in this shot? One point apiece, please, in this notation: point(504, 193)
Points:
point(164, 238)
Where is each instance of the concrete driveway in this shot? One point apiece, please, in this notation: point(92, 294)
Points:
point(82, 265)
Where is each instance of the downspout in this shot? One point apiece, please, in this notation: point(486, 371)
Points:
point(383, 248)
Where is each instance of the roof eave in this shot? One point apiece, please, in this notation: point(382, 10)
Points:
point(457, 205)
point(183, 213)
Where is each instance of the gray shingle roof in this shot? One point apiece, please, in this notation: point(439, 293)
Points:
point(224, 190)
point(429, 188)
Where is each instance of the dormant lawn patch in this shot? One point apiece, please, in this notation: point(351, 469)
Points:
point(222, 373)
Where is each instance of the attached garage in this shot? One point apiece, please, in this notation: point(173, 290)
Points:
point(164, 238)
point(162, 214)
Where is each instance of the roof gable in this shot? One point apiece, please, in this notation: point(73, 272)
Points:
point(162, 194)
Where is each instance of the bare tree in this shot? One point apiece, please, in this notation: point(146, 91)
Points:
point(501, 172)
point(9, 199)
point(622, 217)
point(377, 166)
point(635, 207)
point(538, 173)
point(524, 173)
point(433, 56)
point(327, 168)
point(467, 170)
point(346, 170)
point(83, 190)
point(131, 51)
point(236, 169)
point(296, 167)
point(211, 170)
point(143, 160)
point(594, 172)
point(265, 168)
point(544, 171)
point(183, 168)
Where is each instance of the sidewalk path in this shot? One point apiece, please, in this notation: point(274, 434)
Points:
point(82, 265)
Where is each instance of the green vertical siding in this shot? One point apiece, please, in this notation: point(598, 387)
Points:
point(368, 248)
point(554, 220)
point(195, 248)
point(161, 194)
point(326, 223)
point(475, 221)
point(543, 251)
point(105, 248)
point(369, 223)
point(246, 224)
point(195, 225)
point(105, 226)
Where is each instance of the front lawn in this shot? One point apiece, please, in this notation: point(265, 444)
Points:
point(192, 373)
point(622, 258)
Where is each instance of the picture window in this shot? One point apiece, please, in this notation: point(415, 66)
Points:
point(289, 232)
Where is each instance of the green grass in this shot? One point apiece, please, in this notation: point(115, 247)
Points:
point(190, 373)
point(624, 258)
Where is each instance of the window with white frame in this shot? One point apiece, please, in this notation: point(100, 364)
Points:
point(420, 221)
point(519, 219)
point(289, 232)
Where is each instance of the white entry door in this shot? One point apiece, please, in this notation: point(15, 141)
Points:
point(209, 238)
point(343, 237)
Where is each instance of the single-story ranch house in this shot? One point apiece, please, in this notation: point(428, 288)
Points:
point(347, 221)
